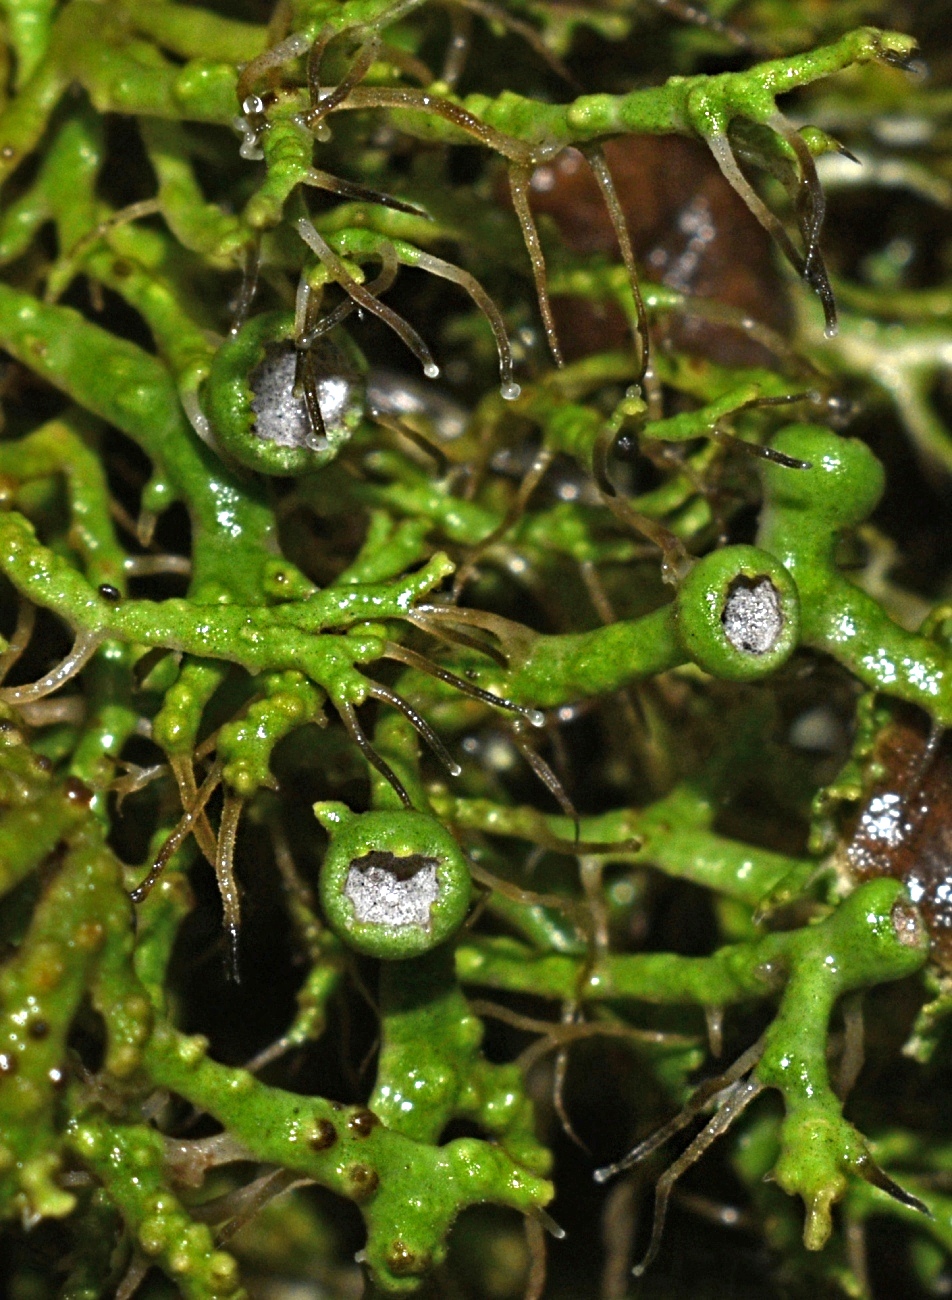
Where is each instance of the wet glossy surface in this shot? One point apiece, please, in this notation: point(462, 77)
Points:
point(281, 415)
point(905, 827)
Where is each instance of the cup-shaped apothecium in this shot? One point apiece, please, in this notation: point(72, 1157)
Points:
point(280, 408)
point(393, 884)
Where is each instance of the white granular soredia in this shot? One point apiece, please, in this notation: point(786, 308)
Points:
point(752, 618)
point(280, 417)
point(380, 898)
point(884, 822)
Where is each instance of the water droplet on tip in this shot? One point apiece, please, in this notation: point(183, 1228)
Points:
point(431, 370)
point(510, 391)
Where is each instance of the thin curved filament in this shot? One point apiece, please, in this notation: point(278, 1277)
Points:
point(516, 639)
point(519, 176)
point(419, 724)
point(413, 660)
point(352, 78)
point(497, 14)
point(425, 102)
point(701, 1098)
point(309, 334)
point(185, 827)
point(322, 180)
point(364, 298)
point(290, 48)
point(184, 772)
point(84, 647)
point(701, 18)
point(448, 271)
point(812, 269)
point(349, 718)
point(225, 873)
point(546, 775)
point(595, 157)
point(734, 1101)
point(533, 477)
point(20, 638)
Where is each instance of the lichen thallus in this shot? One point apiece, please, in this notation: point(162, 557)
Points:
point(285, 392)
point(285, 385)
point(893, 823)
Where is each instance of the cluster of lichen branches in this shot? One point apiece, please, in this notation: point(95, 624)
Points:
point(165, 218)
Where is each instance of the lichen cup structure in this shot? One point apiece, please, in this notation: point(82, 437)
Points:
point(404, 776)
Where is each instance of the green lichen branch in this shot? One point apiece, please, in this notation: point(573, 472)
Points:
point(833, 485)
point(872, 937)
point(81, 937)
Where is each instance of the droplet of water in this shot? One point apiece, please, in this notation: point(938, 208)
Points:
point(431, 370)
point(510, 390)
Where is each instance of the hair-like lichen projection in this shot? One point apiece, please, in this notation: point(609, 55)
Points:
point(615, 571)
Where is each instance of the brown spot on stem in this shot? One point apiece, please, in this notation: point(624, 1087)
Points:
point(322, 1135)
point(89, 936)
point(77, 791)
point(362, 1182)
point(362, 1123)
point(404, 1262)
